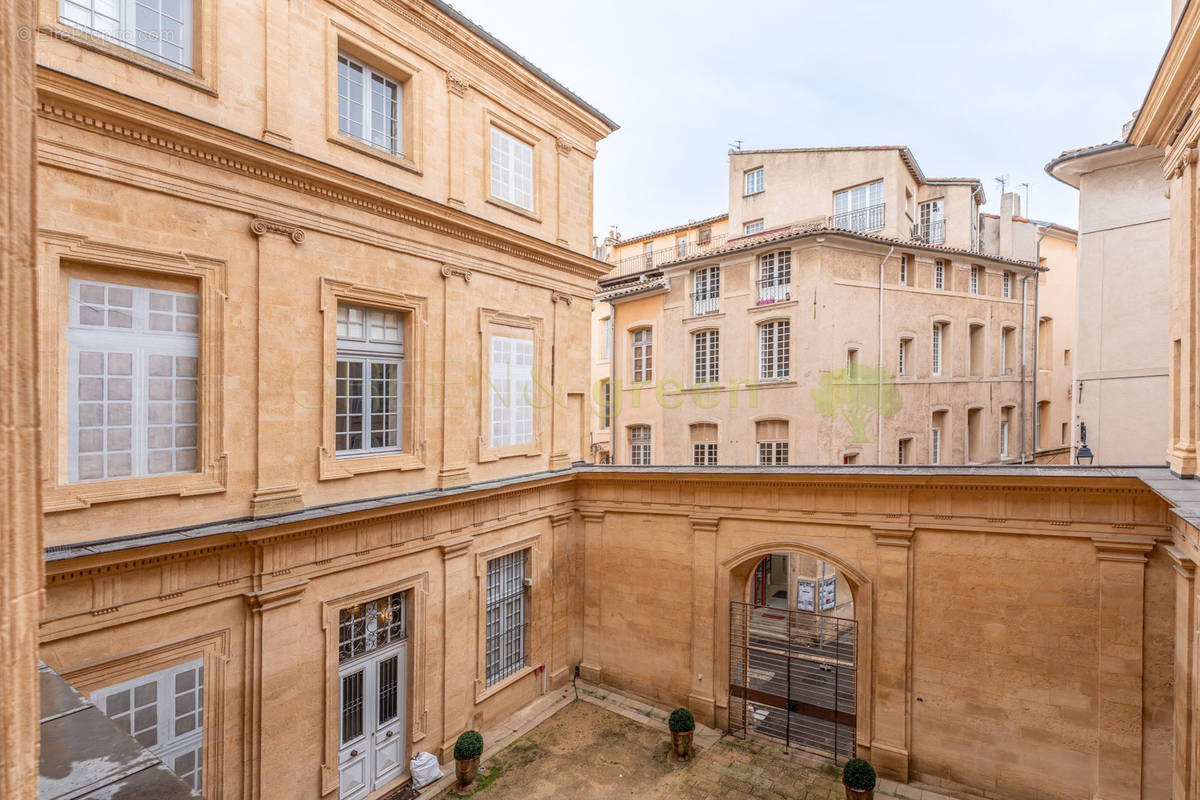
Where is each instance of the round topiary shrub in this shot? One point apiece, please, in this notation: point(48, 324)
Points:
point(681, 721)
point(858, 775)
point(468, 746)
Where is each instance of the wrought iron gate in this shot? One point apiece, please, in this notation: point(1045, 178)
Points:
point(792, 677)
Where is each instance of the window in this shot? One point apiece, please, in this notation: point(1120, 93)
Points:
point(772, 439)
point(639, 445)
point(1039, 429)
point(164, 712)
point(511, 380)
point(606, 409)
point(932, 219)
point(939, 333)
point(751, 228)
point(1045, 333)
point(369, 106)
point(643, 355)
point(371, 626)
point(975, 273)
point(132, 381)
point(754, 181)
point(1006, 286)
point(1008, 349)
point(648, 254)
point(935, 441)
point(849, 458)
point(681, 247)
point(706, 348)
point(774, 350)
point(904, 270)
point(860, 208)
point(974, 435)
point(706, 285)
point(939, 274)
point(160, 29)
point(975, 351)
point(1005, 421)
point(512, 170)
point(704, 444)
point(704, 235)
point(903, 450)
point(902, 366)
point(507, 616)
point(774, 277)
point(370, 372)
point(606, 336)
point(852, 363)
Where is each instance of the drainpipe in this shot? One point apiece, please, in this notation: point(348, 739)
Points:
point(612, 382)
point(1024, 321)
point(1037, 332)
point(879, 368)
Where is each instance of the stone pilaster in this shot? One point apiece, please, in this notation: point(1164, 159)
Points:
point(279, 99)
point(20, 433)
point(702, 698)
point(457, 170)
point(457, 398)
point(560, 457)
point(892, 637)
point(273, 693)
point(277, 488)
point(593, 590)
point(459, 635)
point(561, 540)
point(1185, 214)
point(563, 197)
point(1184, 765)
point(1119, 686)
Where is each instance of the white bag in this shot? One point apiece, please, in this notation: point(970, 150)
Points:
point(425, 769)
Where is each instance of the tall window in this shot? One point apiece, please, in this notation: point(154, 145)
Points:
point(935, 439)
point(975, 351)
point(704, 444)
point(904, 270)
point(774, 277)
point(606, 410)
point(160, 29)
point(706, 286)
point(643, 355)
point(164, 712)
point(939, 274)
point(939, 334)
point(1005, 419)
point(648, 255)
point(751, 228)
point(772, 441)
point(507, 616)
point(512, 170)
point(132, 381)
point(754, 181)
point(932, 216)
point(681, 246)
point(851, 363)
point(902, 366)
point(606, 336)
point(975, 272)
point(706, 347)
point(369, 106)
point(639, 445)
point(1008, 349)
point(860, 208)
point(1006, 286)
point(903, 451)
point(370, 372)
point(511, 381)
point(774, 350)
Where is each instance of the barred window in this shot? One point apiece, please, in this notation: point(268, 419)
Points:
point(774, 349)
point(507, 616)
point(707, 347)
point(370, 626)
point(903, 363)
point(370, 372)
point(369, 106)
point(639, 445)
point(643, 355)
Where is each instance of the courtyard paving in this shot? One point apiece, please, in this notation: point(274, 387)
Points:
point(588, 752)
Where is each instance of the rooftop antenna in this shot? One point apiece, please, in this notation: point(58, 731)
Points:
point(1026, 209)
point(1003, 181)
point(736, 144)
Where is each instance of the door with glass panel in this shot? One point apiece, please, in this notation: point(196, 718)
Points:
point(372, 696)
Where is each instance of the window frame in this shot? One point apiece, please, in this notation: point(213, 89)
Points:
point(780, 362)
point(706, 363)
point(848, 212)
point(976, 274)
point(928, 221)
point(506, 664)
point(939, 275)
point(758, 226)
point(520, 137)
point(641, 367)
point(752, 181)
point(937, 362)
point(704, 454)
point(647, 442)
point(904, 268)
point(369, 353)
point(1006, 285)
point(492, 323)
point(774, 273)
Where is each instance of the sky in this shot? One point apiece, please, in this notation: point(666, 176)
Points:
point(976, 88)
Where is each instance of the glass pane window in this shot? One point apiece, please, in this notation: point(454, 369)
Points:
point(159, 29)
point(639, 445)
point(370, 626)
point(754, 181)
point(368, 380)
point(932, 216)
point(704, 454)
point(772, 454)
point(133, 381)
point(370, 106)
point(706, 345)
point(164, 711)
point(512, 170)
point(511, 381)
point(507, 616)
point(860, 208)
point(643, 355)
point(774, 347)
point(751, 228)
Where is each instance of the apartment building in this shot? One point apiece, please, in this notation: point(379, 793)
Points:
point(854, 315)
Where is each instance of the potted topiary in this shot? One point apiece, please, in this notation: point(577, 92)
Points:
point(466, 756)
point(682, 725)
point(859, 779)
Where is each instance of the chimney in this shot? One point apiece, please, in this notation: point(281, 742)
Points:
point(1010, 206)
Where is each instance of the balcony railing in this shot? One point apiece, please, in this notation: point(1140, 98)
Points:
point(931, 232)
point(772, 290)
point(863, 220)
point(704, 303)
point(666, 255)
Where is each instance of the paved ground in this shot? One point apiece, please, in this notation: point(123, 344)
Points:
point(590, 753)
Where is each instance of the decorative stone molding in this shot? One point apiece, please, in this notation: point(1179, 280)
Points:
point(893, 535)
point(563, 146)
point(560, 297)
point(260, 226)
point(1132, 550)
point(459, 547)
point(706, 523)
point(456, 84)
point(1182, 562)
point(591, 514)
point(275, 596)
point(560, 519)
point(449, 271)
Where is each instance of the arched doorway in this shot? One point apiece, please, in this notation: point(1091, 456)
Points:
point(793, 653)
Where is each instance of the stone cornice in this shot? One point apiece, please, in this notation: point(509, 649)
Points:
point(1122, 549)
point(75, 102)
point(1182, 562)
point(1174, 88)
point(275, 596)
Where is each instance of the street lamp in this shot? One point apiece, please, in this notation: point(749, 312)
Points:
point(1083, 455)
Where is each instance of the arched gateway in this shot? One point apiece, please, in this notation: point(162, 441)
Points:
point(794, 650)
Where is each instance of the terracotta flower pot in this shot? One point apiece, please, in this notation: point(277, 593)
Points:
point(859, 794)
point(681, 743)
point(466, 769)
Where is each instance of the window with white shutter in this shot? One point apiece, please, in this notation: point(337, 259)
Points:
point(512, 170)
point(511, 381)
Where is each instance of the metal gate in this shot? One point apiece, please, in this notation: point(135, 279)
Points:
point(792, 677)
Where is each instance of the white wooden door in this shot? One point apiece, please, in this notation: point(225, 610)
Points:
point(388, 736)
point(372, 721)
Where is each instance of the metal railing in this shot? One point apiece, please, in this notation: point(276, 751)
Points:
point(677, 251)
point(704, 303)
point(932, 232)
point(773, 290)
point(863, 220)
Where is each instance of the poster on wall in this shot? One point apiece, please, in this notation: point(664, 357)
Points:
point(805, 591)
point(828, 593)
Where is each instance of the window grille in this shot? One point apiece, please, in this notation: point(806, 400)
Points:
point(772, 454)
point(704, 454)
point(507, 616)
point(367, 627)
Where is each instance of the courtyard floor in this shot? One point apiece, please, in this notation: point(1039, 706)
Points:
point(588, 752)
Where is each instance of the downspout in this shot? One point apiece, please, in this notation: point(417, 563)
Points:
point(879, 368)
point(612, 384)
point(1037, 344)
point(1024, 352)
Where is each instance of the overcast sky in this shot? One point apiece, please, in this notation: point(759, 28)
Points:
point(977, 88)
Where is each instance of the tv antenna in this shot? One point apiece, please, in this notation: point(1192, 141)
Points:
point(736, 144)
point(1003, 180)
